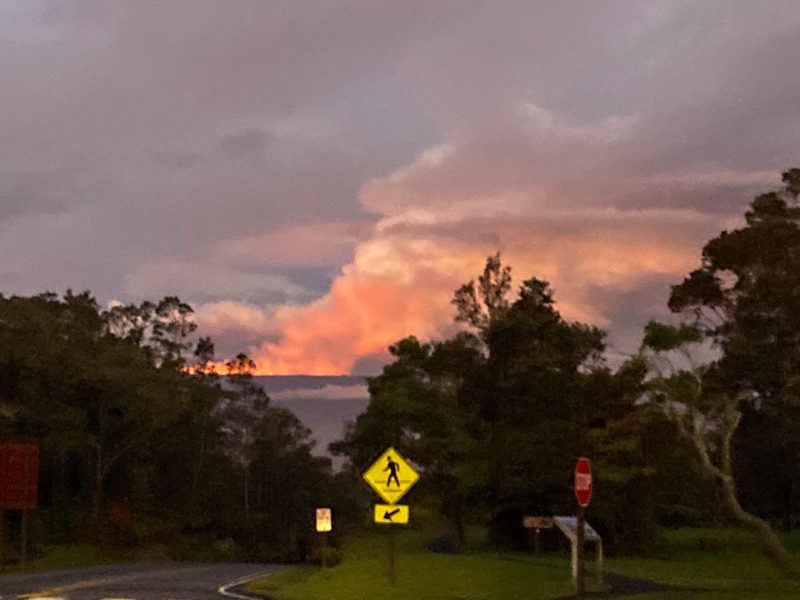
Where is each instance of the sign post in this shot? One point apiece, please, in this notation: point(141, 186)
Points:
point(324, 526)
point(392, 571)
point(391, 477)
point(569, 527)
point(583, 494)
point(537, 524)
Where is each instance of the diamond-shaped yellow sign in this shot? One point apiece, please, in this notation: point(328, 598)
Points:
point(391, 476)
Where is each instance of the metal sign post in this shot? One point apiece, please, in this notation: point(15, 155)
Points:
point(392, 568)
point(391, 477)
point(324, 526)
point(569, 527)
point(579, 581)
point(583, 494)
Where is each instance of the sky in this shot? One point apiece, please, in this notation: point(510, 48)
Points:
point(316, 178)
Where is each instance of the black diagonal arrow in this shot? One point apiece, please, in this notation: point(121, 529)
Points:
point(387, 516)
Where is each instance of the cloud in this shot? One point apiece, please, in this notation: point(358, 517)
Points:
point(201, 280)
point(402, 280)
point(362, 314)
point(234, 326)
point(167, 136)
point(250, 143)
point(318, 179)
point(317, 244)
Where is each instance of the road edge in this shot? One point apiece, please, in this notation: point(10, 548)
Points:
point(224, 588)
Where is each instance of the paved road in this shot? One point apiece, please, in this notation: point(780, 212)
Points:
point(140, 581)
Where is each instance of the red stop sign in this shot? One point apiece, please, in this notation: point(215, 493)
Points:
point(583, 481)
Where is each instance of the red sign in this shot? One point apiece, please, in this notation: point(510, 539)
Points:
point(583, 482)
point(19, 473)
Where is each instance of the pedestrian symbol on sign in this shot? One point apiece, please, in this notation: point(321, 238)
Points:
point(392, 467)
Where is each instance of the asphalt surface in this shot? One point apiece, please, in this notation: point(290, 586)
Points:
point(193, 581)
point(621, 585)
point(139, 581)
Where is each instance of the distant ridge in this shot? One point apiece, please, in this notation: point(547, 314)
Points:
point(324, 403)
point(277, 383)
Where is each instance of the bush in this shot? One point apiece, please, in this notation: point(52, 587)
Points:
point(709, 544)
point(445, 544)
point(506, 531)
point(203, 547)
point(677, 516)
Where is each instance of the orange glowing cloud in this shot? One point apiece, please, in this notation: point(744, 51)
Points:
point(402, 280)
point(365, 311)
point(538, 193)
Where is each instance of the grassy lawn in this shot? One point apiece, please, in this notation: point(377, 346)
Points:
point(723, 563)
point(475, 575)
point(714, 564)
point(63, 557)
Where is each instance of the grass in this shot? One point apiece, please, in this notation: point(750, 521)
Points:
point(717, 564)
point(477, 575)
point(68, 556)
point(712, 564)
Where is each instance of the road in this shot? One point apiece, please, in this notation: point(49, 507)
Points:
point(140, 581)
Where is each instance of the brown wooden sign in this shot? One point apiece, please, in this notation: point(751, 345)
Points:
point(537, 522)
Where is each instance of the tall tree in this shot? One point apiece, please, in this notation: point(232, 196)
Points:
point(246, 405)
point(423, 404)
point(743, 303)
point(695, 397)
point(496, 414)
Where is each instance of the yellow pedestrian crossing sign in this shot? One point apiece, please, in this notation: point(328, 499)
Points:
point(391, 514)
point(391, 476)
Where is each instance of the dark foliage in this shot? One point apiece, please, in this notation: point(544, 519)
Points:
point(142, 442)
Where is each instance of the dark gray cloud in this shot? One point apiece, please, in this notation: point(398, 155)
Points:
point(249, 143)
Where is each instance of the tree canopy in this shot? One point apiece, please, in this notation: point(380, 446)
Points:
point(134, 420)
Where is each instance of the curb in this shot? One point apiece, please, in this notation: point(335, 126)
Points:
point(225, 588)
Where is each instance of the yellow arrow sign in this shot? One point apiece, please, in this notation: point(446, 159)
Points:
point(391, 476)
point(393, 514)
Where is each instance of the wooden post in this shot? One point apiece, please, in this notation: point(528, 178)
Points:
point(324, 550)
point(579, 542)
point(536, 540)
point(392, 573)
point(2, 537)
point(23, 537)
point(600, 562)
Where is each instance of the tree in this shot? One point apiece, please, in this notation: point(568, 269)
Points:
point(245, 406)
point(423, 404)
point(478, 305)
point(743, 305)
point(496, 414)
point(693, 396)
point(90, 395)
point(124, 422)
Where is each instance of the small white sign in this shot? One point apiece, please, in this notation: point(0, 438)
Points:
point(324, 520)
